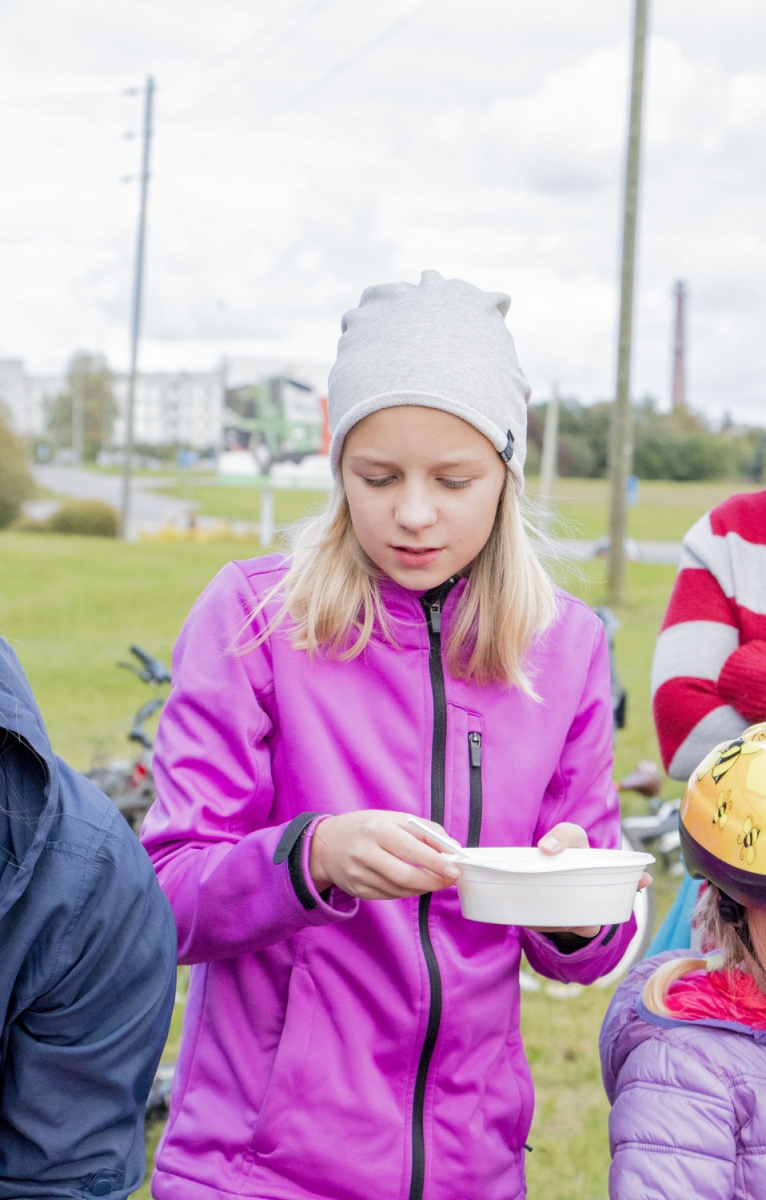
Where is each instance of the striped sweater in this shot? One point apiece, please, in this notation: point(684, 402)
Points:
point(709, 669)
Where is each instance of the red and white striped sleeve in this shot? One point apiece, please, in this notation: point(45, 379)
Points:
point(709, 669)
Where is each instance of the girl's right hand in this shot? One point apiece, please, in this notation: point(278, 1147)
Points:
point(370, 854)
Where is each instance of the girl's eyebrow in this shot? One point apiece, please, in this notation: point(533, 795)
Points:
point(362, 460)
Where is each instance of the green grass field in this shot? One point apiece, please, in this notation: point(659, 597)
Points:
point(238, 503)
point(70, 606)
point(663, 513)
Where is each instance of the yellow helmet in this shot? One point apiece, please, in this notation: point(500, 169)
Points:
point(723, 818)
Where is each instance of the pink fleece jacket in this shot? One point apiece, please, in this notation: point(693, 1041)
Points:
point(336, 1049)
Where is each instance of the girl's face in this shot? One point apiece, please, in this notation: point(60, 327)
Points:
point(423, 489)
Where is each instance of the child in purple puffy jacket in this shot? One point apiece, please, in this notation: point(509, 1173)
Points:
point(348, 1034)
point(683, 1046)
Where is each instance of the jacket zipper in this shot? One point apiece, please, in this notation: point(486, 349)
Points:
point(438, 754)
point(476, 799)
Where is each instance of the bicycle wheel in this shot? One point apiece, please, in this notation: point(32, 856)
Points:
point(644, 912)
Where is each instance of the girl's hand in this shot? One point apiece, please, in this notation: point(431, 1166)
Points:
point(372, 855)
point(564, 836)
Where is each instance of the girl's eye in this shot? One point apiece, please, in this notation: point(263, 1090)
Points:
point(456, 483)
point(378, 480)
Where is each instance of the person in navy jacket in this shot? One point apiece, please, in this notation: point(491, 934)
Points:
point(88, 951)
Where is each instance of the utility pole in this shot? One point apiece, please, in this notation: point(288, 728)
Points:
point(136, 326)
point(621, 447)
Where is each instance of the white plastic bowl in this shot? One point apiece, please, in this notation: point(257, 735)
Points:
point(519, 885)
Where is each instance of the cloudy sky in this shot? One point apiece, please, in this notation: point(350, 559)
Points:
point(306, 148)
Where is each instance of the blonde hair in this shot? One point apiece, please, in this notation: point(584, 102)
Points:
point(730, 953)
point(331, 592)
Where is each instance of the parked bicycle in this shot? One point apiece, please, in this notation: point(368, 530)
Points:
point(655, 832)
point(130, 784)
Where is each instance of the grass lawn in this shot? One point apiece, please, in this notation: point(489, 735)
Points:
point(235, 503)
point(71, 605)
point(663, 514)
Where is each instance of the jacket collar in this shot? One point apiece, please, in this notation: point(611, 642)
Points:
point(404, 608)
point(758, 1035)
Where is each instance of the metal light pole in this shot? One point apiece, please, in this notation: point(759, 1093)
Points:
point(550, 453)
point(621, 447)
point(136, 328)
point(679, 382)
point(78, 416)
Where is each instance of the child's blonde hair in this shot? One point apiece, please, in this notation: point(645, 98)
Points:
point(730, 952)
point(331, 592)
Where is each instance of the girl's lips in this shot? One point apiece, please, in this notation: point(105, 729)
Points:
point(411, 557)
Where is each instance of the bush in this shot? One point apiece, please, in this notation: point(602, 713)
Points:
point(583, 437)
point(679, 445)
point(92, 518)
point(576, 457)
point(16, 483)
point(683, 457)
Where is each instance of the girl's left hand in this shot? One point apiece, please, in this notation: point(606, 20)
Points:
point(565, 836)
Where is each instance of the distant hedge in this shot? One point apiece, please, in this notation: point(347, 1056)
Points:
point(92, 518)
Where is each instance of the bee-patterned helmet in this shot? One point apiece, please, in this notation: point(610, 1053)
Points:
point(723, 818)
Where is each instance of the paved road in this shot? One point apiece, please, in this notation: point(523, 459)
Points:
point(146, 505)
point(662, 553)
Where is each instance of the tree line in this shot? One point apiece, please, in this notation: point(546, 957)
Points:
point(678, 445)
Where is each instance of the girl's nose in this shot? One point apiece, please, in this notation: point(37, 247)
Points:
point(415, 510)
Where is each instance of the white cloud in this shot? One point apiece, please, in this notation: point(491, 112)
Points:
point(487, 142)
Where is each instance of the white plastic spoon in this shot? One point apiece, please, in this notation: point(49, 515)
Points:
point(441, 839)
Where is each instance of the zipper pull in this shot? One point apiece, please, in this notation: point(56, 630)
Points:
point(436, 617)
point(474, 748)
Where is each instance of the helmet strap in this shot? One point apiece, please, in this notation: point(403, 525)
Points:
point(735, 914)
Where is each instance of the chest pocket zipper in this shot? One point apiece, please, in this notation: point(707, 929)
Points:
point(476, 795)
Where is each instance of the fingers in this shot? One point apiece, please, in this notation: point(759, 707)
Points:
point(564, 836)
point(371, 855)
point(407, 844)
point(645, 881)
point(404, 865)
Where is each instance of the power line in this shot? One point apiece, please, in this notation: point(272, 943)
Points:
point(266, 31)
point(339, 69)
point(61, 98)
point(284, 36)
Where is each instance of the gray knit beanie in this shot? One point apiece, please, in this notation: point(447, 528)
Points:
point(441, 344)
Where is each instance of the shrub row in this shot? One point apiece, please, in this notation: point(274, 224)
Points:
point(90, 518)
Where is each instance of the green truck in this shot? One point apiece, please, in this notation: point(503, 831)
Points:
point(277, 420)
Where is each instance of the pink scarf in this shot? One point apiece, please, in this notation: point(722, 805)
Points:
point(721, 995)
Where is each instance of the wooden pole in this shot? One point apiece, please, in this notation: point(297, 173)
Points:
point(621, 447)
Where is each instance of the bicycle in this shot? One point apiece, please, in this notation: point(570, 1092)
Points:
point(655, 832)
point(130, 784)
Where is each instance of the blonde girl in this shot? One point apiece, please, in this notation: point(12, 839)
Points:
point(348, 1033)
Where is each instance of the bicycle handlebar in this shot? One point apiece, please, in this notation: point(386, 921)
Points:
point(145, 711)
point(154, 670)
